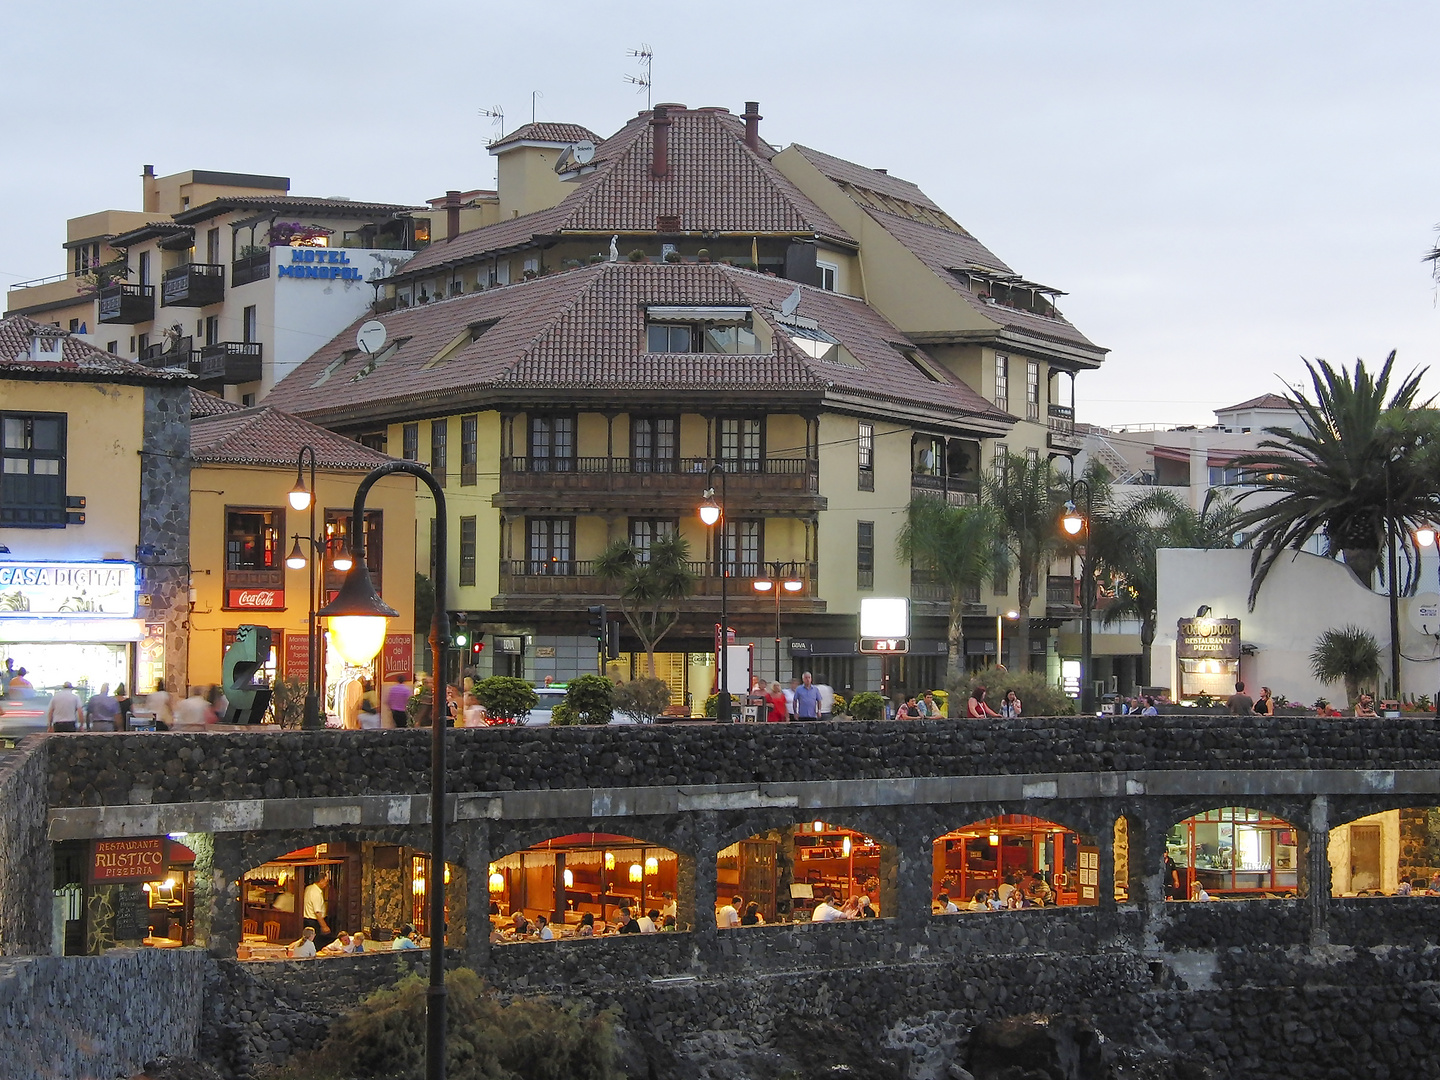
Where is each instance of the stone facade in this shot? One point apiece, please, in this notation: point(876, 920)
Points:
point(164, 543)
point(26, 859)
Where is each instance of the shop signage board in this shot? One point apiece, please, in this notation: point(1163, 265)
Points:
point(397, 656)
point(132, 914)
point(1207, 639)
point(297, 656)
point(67, 590)
point(139, 859)
point(255, 599)
point(152, 655)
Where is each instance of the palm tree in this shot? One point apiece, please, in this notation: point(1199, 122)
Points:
point(652, 585)
point(1126, 540)
point(1358, 469)
point(1027, 496)
point(1349, 655)
point(956, 544)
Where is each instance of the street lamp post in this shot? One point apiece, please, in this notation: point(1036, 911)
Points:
point(354, 615)
point(1000, 638)
point(1074, 523)
point(1425, 536)
point(297, 560)
point(777, 583)
point(713, 513)
point(303, 498)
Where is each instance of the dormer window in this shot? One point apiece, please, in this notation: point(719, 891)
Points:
point(725, 330)
point(47, 348)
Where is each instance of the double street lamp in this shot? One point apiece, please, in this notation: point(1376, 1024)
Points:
point(304, 498)
point(712, 513)
point(357, 623)
point(1075, 523)
point(782, 579)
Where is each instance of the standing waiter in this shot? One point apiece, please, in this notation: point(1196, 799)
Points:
point(316, 908)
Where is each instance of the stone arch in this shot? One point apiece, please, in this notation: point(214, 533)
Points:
point(1391, 848)
point(1056, 865)
point(788, 870)
point(1251, 851)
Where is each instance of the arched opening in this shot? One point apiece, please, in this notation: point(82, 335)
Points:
point(815, 871)
point(1235, 853)
point(1013, 861)
point(584, 885)
point(1392, 853)
point(356, 897)
point(123, 893)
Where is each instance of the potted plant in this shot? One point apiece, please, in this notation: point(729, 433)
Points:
point(637, 256)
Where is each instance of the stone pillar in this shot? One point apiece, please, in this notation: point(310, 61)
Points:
point(1105, 879)
point(219, 866)
point(164, 533)
point(707, 847)
point(906, 872)
point(1314, 871)
point(1147, 865)
point(686, 912)
point(476, 847)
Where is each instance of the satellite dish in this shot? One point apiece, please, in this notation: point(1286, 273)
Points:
point(583, 152)
point(371, 336)
point(1424, 613)
point(791, 302)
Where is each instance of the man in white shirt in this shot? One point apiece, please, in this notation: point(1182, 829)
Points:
point(1003, 893)
point(668, 909)
point(729, 915)
point(194, 711)
point(304, 949)
point(945, 906)
point(316, 908)
point(827, 700)
point(542, 929)
point(648, 922)
point(64, 711)
point(826, 911)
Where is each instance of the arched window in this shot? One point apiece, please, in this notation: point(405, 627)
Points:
point(1392, 853)
point(815, 871)
point(1234, 852)
point(1013, 861)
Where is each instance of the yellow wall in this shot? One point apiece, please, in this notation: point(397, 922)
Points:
point(527, 180)
point(1339, 854)
point(104, 432)
point(213, 488)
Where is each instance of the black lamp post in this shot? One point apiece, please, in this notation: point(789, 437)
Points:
point(1426, 536)
point(303, 498)
point(1074, 523)
point(713, 513)
point(779, 582)
point(355, 612)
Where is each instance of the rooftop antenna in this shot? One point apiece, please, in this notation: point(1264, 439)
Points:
point(497, 114)
point(533, 95)
point(646, 56)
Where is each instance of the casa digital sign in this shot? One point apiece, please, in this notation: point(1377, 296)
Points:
point(323, 264)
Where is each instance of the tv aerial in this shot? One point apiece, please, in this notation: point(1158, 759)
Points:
point(646, 56)
point(497, 114)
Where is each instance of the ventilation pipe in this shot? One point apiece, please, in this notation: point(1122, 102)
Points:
point(752, 125)
point(452, 215)
point(660, 127)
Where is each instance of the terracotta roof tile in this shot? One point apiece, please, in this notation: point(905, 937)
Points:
point(585, 329)
point(78, 358)
point(203, 404)
point(847, 172)
point(547, 132)
point(297, 203)
point(267, 436)
point(1264, 401)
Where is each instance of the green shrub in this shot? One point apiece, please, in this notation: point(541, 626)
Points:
point(642, 699)
point(867, 706)
point(1038, 697)
point(527, 1039)
point(712, 706)
point(505, 697)
point(637, 256)
point(591, 699)
point(562, 715)
point(287, 702)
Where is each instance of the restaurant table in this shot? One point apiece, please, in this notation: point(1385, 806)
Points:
point(162, 942)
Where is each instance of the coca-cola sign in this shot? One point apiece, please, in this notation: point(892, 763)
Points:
point(255, 599)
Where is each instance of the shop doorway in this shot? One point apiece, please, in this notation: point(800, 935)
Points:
point(1364, 857)
point(100, 904)
point(1015, 861)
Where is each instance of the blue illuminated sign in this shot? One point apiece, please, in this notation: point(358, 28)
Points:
point(322, 263)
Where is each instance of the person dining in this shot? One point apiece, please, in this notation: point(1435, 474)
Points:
point(1365, 707)
point(729, 915)
point(752, 916)
point(628, 923)
point(587, 925)
point(944, 905)
point(828, 911)
point(304, 949)
point(975, 707)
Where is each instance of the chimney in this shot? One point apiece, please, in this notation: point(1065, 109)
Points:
point(149, 197)
point(660, 125)
point(752, 119)
point(452, 215)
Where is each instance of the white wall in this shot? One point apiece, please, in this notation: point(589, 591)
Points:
point(309, 311)
point(1303, 597)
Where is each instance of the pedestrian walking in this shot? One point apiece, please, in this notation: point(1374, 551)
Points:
point(63, 713)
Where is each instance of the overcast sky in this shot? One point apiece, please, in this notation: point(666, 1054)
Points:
point(1221, 189)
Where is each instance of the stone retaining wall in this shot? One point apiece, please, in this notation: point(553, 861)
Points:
point(98, 1016)
point(25, 855)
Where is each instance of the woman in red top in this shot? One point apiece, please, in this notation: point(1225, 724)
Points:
point(975, 707)
point(775, 701)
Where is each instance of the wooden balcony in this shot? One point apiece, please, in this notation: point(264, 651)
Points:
point(126, 305)
point(573, 585)
point(1062, 597)
point(955, 490)
point(925, 590)
point(228, 362)
point(587, 484)
point(193, 285)
point(250, 268)
point(1061, 435)
point(161, 356)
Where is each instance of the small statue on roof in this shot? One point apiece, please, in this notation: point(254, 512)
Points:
point(615, 248)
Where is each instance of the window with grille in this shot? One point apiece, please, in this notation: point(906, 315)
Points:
point(467, 549)
point(740, 443)
point(1002, 382)
point(410, 438)
point(552, 443)
point(645, 531)
point(741, 547)
point(551, 545)
point(469, 449)
point(439, 434)
point(865, 456)
point(654, 443)
point(1032, 390)
point(32, 476)
point(252, 538)
point(1002, 462)
point(865, 554)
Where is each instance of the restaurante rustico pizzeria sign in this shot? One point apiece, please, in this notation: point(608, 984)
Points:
point(1208, 639)
point(140, 859)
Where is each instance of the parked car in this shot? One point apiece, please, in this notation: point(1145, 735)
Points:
point(550, 696)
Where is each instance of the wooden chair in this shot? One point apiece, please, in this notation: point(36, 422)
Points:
point(272, 931)
point(249, 926)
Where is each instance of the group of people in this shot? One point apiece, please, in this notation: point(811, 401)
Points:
point(104, 711)
point(803, 699)
point(829, 908)
point(628, 920)
point(977, 708)
point(1018, 891)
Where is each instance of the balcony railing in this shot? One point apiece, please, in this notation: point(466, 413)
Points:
point(925, 588)
point(193, 285)
point(250, 268)
point(1062, 596)
point(577, 577)
point(957, 491)
point(163, 355)
point(780, 475)
point(1062, 434)
point(230, 362)
point(127, 304)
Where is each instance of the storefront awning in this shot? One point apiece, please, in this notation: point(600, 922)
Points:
point(34, 631)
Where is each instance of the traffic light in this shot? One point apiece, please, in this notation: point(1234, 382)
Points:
point(612, 641)
point(598, 620)
point(477, 647)
point(461, 637)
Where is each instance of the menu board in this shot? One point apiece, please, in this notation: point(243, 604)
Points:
point(132, 913)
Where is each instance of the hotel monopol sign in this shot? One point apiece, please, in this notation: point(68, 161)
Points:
point(1207, 639)
point(319, 264)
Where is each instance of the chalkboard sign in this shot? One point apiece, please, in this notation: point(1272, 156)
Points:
point(132, 913)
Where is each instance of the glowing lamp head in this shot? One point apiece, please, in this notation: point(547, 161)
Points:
point(609, 860)
point(710, 510)
point(1012, 614)
point(637, 873)
point(358, 617)
point(569, 879)
point(296, 559)
point(447, 873)
point(994, 838)
point(497, 882)
point(763, 585)
point(652, 866)
point(818, 826)
point(342, 561)
point(300, 495)
point(845, 847)
point(793, 585)
point(1072, 522)
point(1425, 535)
